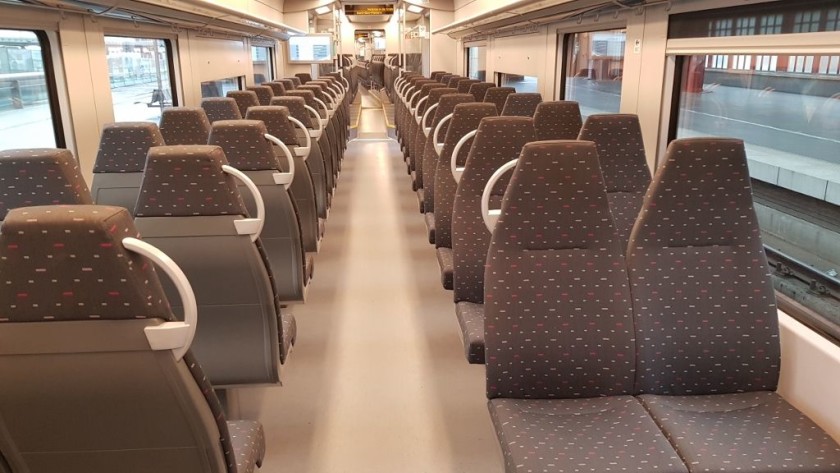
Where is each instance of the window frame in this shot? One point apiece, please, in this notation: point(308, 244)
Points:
point(270, 58)
point(564, 43)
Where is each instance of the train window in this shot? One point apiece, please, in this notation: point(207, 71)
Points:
point(774, 18)
point(518, 82)
point(594, 68)
point(476, 62)
point(29, 116)
point(139, 70)
point(261, 56)
point(220, 88)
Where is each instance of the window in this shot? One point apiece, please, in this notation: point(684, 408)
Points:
point(262, 57)
point(594, 67)
point(220, 88)
point(140, 73)
point(477, 62)
point(29, 116)
point(518, 82)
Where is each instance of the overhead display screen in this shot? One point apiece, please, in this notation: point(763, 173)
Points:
point(310, 49)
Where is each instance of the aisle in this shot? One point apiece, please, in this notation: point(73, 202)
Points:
point(377, 381)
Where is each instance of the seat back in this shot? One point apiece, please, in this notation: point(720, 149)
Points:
point(558, 323)
point(238, 339)
point(557, 120)
point(464, 85)
point(705, 310)
point(436, 74)
point(264, 93)
point(444, 79)
point(497, 96)
point(277, 122)
point(40, 176)
point(245, 99)
point(309, 99)
point(499, 140)
point(296, 107)
point(479, 90)
point(76, 358)
point(446, 99)
point(465, 119)
point(295, 81)
point(303, 77)
point(221, 108)
point(184, 126)
point(453, 81)
point(621, 152)
point(288, 84)
point(277, 88)
point(521, 104)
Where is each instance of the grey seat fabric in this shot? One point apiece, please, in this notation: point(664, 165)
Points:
point(521, 104)
point(413, 97)
point(277, 88)
point(76, 357)
point(325, 151)
point(330, 147)
point(708, 345)
point(245, 99)
point(120, 159)
point(417, 140)
point(238, 340)
point(303, 77)
point(621, 152)
point(499, 140)
point(560, 345)
point(497, 96)
point(558, 120)
point(288, 84)
point(479, 90)
point(453, 81)
point(184, 126)
point(465, 119)
point(264, 93)
point(221, 108)
point(464, 85)
point(295, 80)
point(438, 111)
point(247, 150)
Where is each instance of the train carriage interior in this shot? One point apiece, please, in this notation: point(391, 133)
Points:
point(367, 236)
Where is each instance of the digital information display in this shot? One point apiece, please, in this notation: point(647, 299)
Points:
point(310, 49)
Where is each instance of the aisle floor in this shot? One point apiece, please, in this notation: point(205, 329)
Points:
point(377, 381)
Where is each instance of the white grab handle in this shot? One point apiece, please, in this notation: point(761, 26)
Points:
point(456, 171)
point(408, 93)
point(302, 151)
point(414, 108)
point(248, 226)
point(315, 133)
point(420, 102)
point(324, 121)
point(439, 145)
point(427, 129)
point(284, 178)
point(175, 336)
point(491, 216)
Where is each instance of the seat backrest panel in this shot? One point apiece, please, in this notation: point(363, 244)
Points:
point(221, 108)
point(521, 104)
point(184, 126)
point(497, 96)
point(559, 120)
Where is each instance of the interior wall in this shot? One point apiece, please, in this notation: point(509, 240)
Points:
point(444, 50)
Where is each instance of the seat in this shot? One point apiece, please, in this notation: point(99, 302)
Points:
point(417, 136)
point(82, 353)
point(329, 136)
point(426, 127)
point(560, 344)
point(409, 114)
point(264, 93)
point(288, 84)
point(463, 85)
point(453, 81)
point(184, 126)
point(295, 80)
point(245, 99)
point(479, 90)
point(621, 152)
point(402, 109)
point(239, 339)
point(498, 140)
point(444, 79)
point(322, 140)
point(521, 104)
point(497, 96)
point(706, 320)
point(465, 119)
point(40, 176)
point(303, 77)
point(221, 108)
point(277, 89)
point(120, 159)
point(558, 120)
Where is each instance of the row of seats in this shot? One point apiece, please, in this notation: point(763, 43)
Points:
point(626, 323)
point(119, 362)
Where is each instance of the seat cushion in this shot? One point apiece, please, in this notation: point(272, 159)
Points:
point(421, 199)
point(608, 434)
point(289, 334)
point(471, 319)
point(755, 431)
point(309, 269)
point(248, 442)
point(430, 226)
point(446, 263)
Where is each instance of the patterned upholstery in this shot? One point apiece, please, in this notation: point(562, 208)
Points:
point(453, 81)
point(221, 108)
point(264, 93)
point(277, 88)
point(436, 74)
point(289, 84)
point(297, 108)
point(521, 104)
point(426, 145)
point(417, 142)
point(277, 122)
point(471, 321)
point(248, 442)
point(558, 121)
point(498, 96)
point(187, 180)
point(464, 85)
point(303, 77)
point(698, 229)
point(479, 90)
point(499, 140)
point(244, 144)
point(307, 95)
point(245, 99)
point(444, 79)
point(317, 90)
point(621, 153)
point(30, 177)
point(184, 126)
point(296, 81)
point(123, 146)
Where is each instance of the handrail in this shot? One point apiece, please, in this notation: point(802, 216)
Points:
point(420, 102)
point(438, 145)
point(456, 171)
point(284, 178)
point(302, 151)
point(315, 133)
point(489, 216)
point(423, 120)
point(248, 226)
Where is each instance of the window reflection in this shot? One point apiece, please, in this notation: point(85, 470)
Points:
point(594, 70)
point(141, 84)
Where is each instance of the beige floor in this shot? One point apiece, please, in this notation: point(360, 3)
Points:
point(377, 381)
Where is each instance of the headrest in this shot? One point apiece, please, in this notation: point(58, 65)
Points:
point(295, 81)
point(479, 90)
point(521, 104)
point(446, 105)
point(464, 85)
point(498, 140)
point(304, 77)
point(67, 263)
point(264, 93)
point(558, 120)
point(465, 118)
point(316, 90)
point(296, 108)
point(245, 99)
point(436, 74)
point(244, 144)
point(278, 88)
point(559, 184)
point(289, 84)
point(183, 181)
point(276, 119)
point(123, 146)
point(426, 88)
point(184, 126)
point(444, 79)
point(220, 108)
point(453, 81)
point(436, 93)
point(45, 176)
point(700, 196)
point(307, 95)
point(620, 150)
point(498, 96)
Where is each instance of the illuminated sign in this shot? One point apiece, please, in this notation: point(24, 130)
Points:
point(368, 10)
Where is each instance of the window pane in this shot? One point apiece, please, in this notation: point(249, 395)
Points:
point(520, 83)
point(476, 63)
point(138, 69)
point(773, 18)
point(594, 70)
point(261, 57)
point(220, 88)
point(25, 114)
